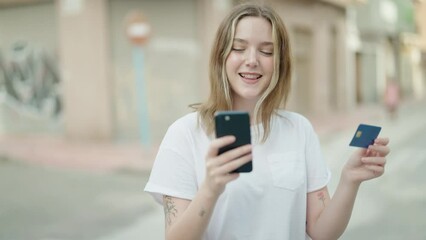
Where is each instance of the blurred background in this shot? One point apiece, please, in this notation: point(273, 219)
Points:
point(89, 87)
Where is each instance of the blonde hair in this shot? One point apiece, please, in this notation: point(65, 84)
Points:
point(274, 96)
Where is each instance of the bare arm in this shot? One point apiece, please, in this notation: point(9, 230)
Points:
point(328, 218)
point(185, 219)
point(188, 219)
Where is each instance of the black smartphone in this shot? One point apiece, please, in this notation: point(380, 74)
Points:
point(234, 123)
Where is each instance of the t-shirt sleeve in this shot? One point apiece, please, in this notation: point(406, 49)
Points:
point(318, 174)
point(173, 171)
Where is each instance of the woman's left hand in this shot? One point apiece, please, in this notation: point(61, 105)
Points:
point(366, 164)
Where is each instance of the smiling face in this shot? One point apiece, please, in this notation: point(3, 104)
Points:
point(250, 65)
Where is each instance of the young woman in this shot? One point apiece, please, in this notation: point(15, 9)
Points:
point(285, 196)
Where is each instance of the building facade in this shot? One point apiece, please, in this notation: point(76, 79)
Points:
point(318, 33)
point(100, 68)
point(391, 50)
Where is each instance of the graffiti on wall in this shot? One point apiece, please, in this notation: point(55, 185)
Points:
point(29, 80)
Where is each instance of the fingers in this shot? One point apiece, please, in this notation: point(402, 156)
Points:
point(230, 160)
point(227, 161)
point(218, 143)
point(380, 150)
point(219, 168)
point(228, 178)
point(377, 170)
point(234, 164)
point(381, 161)
point(382, 141)
point(369, 161)
point(375, 164)
point(234, 154)
point(375, 159)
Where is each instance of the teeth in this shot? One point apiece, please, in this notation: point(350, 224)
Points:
point(250, 76)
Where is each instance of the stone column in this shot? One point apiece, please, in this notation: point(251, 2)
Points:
point(321, 82)
point(210, 15)
point(85, 67)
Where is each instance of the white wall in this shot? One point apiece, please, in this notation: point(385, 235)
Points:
point(35, 23)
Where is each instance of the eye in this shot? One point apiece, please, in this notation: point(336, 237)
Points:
point(267, 53)
point(237, 49)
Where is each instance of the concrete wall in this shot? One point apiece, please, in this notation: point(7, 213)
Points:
point(36, 37)
point(421, 28)
point(176, 58)
point(85, 68)
point(420, 10)
point(40, 29)
point(96, 61)
point(171, 70)
point(99, 72)
point(318, 38)
point(378, 17)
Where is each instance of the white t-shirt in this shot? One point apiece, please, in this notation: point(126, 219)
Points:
point(267, 204)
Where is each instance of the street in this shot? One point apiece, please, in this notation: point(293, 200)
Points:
point(42, 203)
point(394, 207)
point(50, 203)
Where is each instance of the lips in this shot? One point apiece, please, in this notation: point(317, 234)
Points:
point(250, 78)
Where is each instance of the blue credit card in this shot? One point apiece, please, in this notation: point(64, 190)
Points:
point(365, 135)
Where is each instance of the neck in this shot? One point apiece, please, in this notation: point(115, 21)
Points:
point(245, 106)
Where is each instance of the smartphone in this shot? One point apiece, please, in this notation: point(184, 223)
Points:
point(234, 123)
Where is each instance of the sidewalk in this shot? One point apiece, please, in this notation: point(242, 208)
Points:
point(94, 156)
point(335, 133)
point(113, 206)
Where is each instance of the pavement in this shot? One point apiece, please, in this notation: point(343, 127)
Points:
point(93, 156)
point(61, 189)
point(57, 151)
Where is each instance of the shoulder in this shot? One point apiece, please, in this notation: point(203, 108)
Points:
point(297, 127)
point(293, 118)
point(186, 125)
point(188, 120)
point(181, 131)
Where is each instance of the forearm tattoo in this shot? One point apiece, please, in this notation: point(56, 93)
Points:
point(169, 209)
point(202, 212)
point(321, 197)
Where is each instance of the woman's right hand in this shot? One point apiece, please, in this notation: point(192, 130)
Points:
point(219, 167)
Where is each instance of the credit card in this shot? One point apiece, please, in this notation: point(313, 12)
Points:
point(365, 135)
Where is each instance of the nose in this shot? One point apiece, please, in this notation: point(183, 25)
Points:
point(251, 58)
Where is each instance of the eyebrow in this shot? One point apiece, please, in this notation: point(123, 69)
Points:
point(244, 41)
